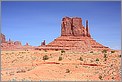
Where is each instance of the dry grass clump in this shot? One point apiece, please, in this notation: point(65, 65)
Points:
point(21, 71)
point(45, 57)
point(97, 59)
point(62, 51)
point(112, 51)
point(81, 59)
point(67, 71)
point(104, 51)
point(91, 51)
point(100, 77)
point(60, 58)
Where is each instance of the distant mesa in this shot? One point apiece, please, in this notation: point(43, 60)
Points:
point(74, 37)
point(11, 45)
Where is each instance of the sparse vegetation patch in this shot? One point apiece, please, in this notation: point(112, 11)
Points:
point(60, 58)
point(97, 59)
point(45, 57)
point(104, 51)
point(91, 51)
point(81, 59)
point(112, 51)
point(120, 56)
point(100, 77)
point(67, 71)
point(105, 55)
point(62, 51)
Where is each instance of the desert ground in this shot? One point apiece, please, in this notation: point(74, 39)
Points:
point(60, 66)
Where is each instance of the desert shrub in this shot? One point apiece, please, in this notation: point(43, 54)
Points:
point(104, 51)
point(100, 77)
point(112, 78)
point(23, 52)
point(13, 80)
point(76, 66)
point(56, 49)
point(21, 71)
point(69, 58)
point(81, 59)
point(105, 59)
point(105, 55)
point(62, 51)
point(11, 73)
point(60, 58)
point(112, 51)
point(7, 53)
point(45, 50)
point(120, 56)
point(91, 51)
point(67, 71)
point(45, 57)
point(97, 59)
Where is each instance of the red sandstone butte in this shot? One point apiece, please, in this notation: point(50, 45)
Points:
point(74, 36)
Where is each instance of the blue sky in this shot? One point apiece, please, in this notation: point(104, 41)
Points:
point(34, 22)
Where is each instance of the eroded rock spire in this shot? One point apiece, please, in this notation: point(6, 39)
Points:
point(73, 27)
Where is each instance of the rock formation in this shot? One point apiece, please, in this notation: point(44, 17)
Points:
point(3, 38)
point(17, 43)
point(43, 43)
point(26, 44)
point(73, 27)
point(87, 29)
point(74, 37)
point(11, 45)
point(8, 45)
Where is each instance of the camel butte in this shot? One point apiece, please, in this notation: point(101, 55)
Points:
point(73, 56)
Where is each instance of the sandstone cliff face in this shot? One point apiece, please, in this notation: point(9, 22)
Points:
point(73, 27)
point(66, 26)
point(2, 37)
